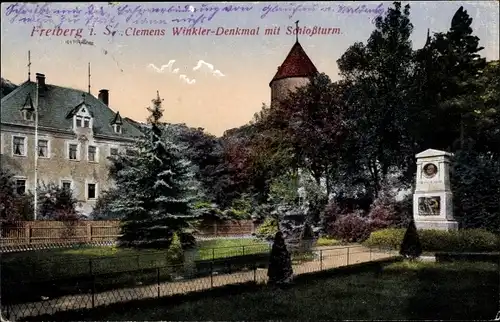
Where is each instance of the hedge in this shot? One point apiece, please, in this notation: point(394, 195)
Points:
point(467, 240)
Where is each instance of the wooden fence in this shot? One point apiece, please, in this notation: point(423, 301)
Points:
point(49, 232)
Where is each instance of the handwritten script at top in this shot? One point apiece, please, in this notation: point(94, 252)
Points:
point(53, 15)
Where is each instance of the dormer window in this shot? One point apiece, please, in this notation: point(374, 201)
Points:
point(29, 115)
point(28, 110)
point(82, 121)
point(117, 123)
point(82, 115)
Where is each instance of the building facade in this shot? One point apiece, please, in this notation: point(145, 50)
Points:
point(76, 134)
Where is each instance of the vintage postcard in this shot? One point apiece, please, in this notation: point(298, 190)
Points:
point(206, 160)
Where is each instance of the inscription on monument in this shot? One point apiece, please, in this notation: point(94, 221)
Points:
point(429, 206)
point(430, 170)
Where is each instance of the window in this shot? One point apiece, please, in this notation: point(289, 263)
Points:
point(20, 186)
point(66, 185)
point(113, 151)
point(72, 151)
point(118, 128)
point(91, 191)
point(29, 115)
point(19, 145)
point(92, 153)
point(43, 148)
point(82, 121)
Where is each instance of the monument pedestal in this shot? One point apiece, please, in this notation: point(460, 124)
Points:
point(433, 200)
point(436, 224)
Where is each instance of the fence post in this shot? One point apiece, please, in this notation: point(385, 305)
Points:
point(211, 274)
point(215, 228)
point(158, 279)
point(347, 255)
point(370, 254)
point(213, 254)
point(320, 259)
point(89, 231)
point(243, 247)
point(93, 291)
point(27, 233)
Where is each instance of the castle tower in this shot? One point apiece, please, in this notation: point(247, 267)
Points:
point(296, 71)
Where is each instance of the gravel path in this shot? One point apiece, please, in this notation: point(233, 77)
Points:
point(331, 258)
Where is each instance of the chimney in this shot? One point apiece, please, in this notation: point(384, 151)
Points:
point(104, 96)
point(40, 79)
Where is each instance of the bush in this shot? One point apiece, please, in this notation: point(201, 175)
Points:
point(329, 216)
point(175, 252)
point(470, 240)
point(351, 228)
point(411, 246)
point(268, 229)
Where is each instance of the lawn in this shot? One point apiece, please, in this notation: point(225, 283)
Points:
point(58, 263)
point(400, 291)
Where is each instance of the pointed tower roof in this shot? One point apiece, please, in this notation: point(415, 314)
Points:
point(296, 64)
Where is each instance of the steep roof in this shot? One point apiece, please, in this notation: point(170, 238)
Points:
point(296, 64)
point(56, 103)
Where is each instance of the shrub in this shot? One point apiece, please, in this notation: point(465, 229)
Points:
point(383, 210)
point(268, 229)
point(329, 215)
point(411, 247)
point(467, 240)
point(280, 263)
point(175, 252)
point(352, 228)
point(56, 203)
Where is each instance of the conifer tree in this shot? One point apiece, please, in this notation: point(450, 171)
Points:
point(411, 247)
point(280, 263)
point(155, 188)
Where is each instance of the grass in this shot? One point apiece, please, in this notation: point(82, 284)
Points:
point(400, 291)
point(222, 248)
point(115, 267)
point(55, 263)
point(326, 241)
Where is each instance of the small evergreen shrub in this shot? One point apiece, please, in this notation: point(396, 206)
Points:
point(467, 240)
point(175, 252)
point(411, 246)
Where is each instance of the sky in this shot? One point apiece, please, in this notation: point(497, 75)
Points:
point(216, 81)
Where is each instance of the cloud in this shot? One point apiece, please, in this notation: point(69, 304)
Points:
point(217, 73)
point(187, 80)
point(168, 67)
point(163, 67)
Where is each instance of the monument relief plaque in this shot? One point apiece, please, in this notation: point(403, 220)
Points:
point(432, 200)
point(430, 170)
point(429, 206)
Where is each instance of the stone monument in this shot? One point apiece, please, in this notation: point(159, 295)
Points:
point(433, 199)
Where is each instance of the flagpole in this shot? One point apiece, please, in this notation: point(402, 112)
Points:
point(36, 151)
